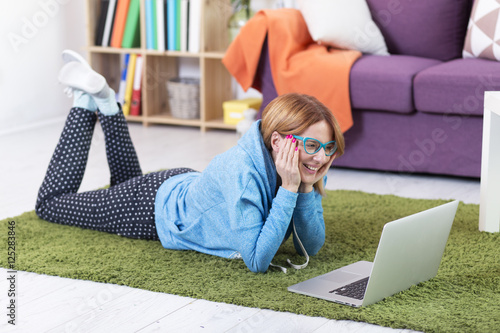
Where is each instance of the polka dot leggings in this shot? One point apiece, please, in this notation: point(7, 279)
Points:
point(126, 207)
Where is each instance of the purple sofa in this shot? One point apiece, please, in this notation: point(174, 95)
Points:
point(420, 109)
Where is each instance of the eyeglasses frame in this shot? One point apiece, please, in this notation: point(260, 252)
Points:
point(321, 145)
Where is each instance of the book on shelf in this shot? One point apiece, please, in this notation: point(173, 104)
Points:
point(119, 23)
point(171, 11)
point(120, 95)
point(194, 22)
point(160, 25)
point(101, 22)
point(181, 23)
point(129, 84)
point(184, 25)
point(178, 24)
point(165, 25)
point(135, 107)
point(132, 33)
point(108, 27)
point(173, 25)
point(151, 24)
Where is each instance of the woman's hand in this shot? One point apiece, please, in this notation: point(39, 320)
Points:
point(287, 164)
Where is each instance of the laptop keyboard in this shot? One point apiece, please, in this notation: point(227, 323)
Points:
point(354, 290)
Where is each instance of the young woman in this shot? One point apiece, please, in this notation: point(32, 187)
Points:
point(243, 205)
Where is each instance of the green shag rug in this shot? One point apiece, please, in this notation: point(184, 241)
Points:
point(463, 297)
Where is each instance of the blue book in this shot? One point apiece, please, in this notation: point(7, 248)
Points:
point(165, 25)
point(150, 7)
point(171, 24)
point(149, 33)
point(120, 95)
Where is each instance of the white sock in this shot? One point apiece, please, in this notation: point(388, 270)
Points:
point(83, 100)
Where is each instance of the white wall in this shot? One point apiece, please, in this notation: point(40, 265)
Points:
point(261, 4)
point(34, 32)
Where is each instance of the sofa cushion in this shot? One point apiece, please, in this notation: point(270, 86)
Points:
point(424, 28)
point(385, 83)
point(413, 143)
point(483, 31)
point(456, 87)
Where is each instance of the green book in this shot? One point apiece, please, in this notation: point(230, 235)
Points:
point(132, 32)
point(155, 26)
point(178, 25)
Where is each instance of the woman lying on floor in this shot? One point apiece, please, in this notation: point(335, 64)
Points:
point(243, 205)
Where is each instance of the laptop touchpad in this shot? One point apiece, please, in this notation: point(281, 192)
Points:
point(340, 276)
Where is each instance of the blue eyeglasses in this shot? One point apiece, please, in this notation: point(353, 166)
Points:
point(312, 146)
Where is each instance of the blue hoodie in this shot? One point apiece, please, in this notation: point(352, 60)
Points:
point(232, 208)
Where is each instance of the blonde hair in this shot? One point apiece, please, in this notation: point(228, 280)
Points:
point(292, 114)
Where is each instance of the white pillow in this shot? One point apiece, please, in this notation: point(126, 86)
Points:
point(345, 24)
point(483, 31)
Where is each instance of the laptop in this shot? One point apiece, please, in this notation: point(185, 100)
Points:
point(409, 252)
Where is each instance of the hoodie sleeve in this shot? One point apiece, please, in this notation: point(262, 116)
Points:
point(259, 235)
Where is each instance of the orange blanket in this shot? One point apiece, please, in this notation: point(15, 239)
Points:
point(298, 64)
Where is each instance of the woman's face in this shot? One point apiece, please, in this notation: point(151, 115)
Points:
point(311, 167)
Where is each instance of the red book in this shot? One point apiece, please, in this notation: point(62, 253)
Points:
point(135, 107)
point(119, 24)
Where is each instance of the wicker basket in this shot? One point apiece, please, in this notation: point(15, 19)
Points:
point(184, 97)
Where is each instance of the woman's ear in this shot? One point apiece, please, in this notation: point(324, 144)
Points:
point(276, 141)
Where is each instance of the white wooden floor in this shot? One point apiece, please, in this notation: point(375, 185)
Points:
point(53, 304)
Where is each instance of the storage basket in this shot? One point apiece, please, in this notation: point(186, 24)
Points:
point(184, 97)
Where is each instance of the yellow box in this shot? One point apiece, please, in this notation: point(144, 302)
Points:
point(233, 110)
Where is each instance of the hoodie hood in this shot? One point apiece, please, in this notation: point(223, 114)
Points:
point(253, 144)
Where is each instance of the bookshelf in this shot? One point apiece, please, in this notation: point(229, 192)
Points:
point(159, 66)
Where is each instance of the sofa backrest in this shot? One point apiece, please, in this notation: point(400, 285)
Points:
point(425, 28)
